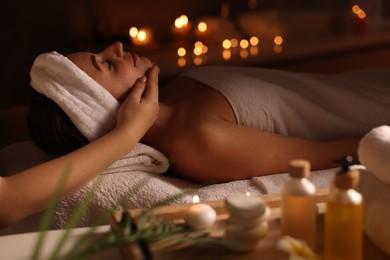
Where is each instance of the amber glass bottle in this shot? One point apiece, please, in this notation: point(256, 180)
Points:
point(343, 231)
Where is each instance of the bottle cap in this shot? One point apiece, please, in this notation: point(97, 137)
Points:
point(346, 178)
point(299, 168)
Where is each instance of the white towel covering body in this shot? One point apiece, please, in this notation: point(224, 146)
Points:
point(306, 105)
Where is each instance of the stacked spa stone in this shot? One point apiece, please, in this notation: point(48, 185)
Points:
point(247, 222)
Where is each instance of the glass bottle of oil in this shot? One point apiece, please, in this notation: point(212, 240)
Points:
point(343, 227)
point(299, 211)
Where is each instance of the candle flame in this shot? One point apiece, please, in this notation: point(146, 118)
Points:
point(226, 44)
point(141, 35)
point(234, 43)
point(202, 26)
point(181, 52)
point(355, 9)
point(361, 14)
point(244, 43)
point(248, 193)
point(254, 40)
point(133, 31)
point(358, 11)
point(181, 21)
point(195, 199)
point(278, 40)
point(198, 51)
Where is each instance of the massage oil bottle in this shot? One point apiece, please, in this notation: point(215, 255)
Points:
point(299, 211)
point(343, 230)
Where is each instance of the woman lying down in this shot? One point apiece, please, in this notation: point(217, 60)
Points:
point(215, 124)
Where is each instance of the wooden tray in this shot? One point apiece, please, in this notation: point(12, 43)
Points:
point(265, 248)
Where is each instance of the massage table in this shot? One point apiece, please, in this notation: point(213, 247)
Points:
point(154, 188)
point(18, 153)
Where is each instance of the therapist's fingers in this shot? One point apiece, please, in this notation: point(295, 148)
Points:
point(137, 114)
point(138, 88)
point(151, 91)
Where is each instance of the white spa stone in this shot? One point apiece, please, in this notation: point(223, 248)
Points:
point(247, 207)
point(235, 219)
point(200, 216)
point(240, 233)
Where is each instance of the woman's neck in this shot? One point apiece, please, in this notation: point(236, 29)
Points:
point(156, 133)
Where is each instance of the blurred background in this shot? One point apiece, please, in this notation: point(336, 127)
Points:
point(325, 36)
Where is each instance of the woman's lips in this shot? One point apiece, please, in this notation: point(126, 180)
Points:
point(135, 58)
point(132, 57)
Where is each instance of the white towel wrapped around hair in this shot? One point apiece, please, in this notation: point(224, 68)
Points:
point(91, 108)
point(374, 152)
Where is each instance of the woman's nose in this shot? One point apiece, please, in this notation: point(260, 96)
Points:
point(116, 48)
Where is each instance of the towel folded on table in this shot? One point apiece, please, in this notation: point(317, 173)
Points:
point(374, 152)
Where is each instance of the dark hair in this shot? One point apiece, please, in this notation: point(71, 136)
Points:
point(50, 128)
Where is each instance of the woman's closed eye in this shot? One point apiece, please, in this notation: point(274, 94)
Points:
point(110, 64)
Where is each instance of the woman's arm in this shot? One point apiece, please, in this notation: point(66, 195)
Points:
point(224, 151)
point(30, 190)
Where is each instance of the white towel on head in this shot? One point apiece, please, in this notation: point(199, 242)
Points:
point(91, 108)
point(374, 152)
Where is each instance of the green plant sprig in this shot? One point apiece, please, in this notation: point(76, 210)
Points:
point(149, 229)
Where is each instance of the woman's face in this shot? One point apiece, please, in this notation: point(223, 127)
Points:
point(116, 70)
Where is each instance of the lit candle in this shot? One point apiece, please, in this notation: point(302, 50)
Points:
point(140, 37)
point(202, 31)
point(278, 40)
point(199, 215)
point(202, 27)
point(254, 41)
point(360, 21)
point(182, 26)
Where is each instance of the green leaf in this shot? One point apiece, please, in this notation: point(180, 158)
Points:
point(49, 213)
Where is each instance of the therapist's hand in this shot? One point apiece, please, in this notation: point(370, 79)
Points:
point(139, 110)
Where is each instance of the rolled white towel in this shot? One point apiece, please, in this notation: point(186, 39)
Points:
point(374, 152)
point(376, 196)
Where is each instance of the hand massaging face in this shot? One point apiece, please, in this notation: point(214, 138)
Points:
point(87, 86)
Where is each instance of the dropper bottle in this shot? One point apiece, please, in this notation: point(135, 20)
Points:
point(299, 211)
point(343, 230)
